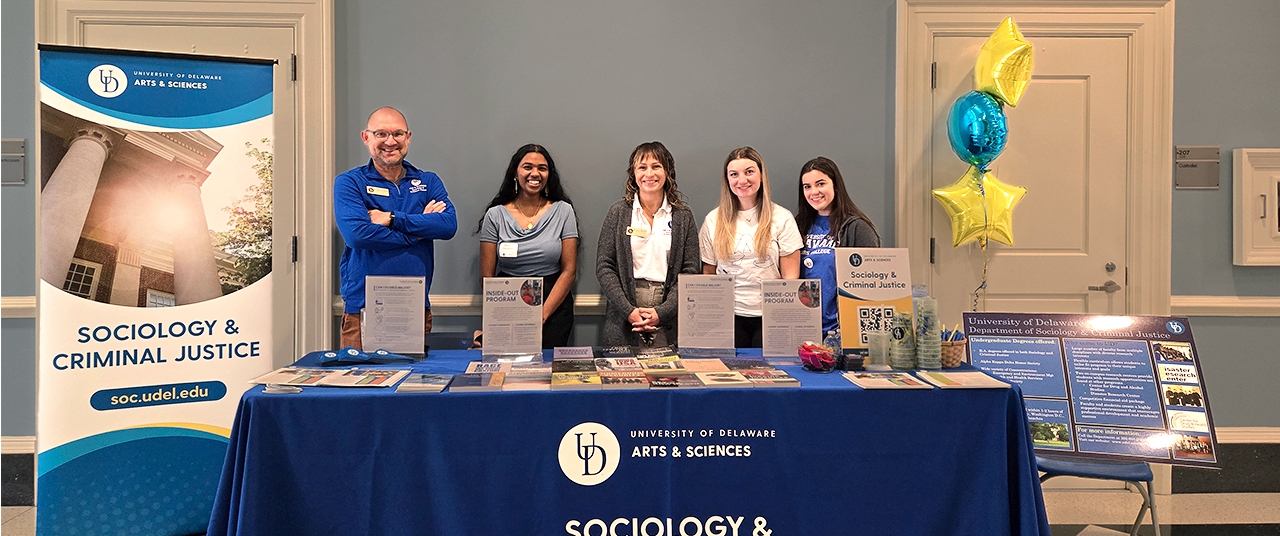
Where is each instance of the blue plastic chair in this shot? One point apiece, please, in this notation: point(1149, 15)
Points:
point(1133, 474)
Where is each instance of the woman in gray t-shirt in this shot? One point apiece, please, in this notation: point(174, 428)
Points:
point(529, 229)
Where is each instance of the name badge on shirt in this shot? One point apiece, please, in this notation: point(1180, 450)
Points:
point(374, 190)
point(507, 249)
point(638, 232)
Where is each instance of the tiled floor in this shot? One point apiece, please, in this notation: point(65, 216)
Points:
point(18, 521)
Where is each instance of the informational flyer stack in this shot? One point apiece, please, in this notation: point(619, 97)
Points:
point(354, 377)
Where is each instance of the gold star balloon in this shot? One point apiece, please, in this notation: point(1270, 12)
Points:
point(1004, 64)
point(975, 216)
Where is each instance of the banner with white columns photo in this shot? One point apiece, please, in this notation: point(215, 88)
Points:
point(154, 260)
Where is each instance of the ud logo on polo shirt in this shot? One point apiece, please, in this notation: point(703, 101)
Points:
point(589, 453)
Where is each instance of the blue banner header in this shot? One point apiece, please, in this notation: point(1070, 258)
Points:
point(167, 92)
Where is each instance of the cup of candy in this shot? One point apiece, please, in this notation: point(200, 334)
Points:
point(817, 358)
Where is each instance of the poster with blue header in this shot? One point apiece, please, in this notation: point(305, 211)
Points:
point(1125, 387)
point(154, 257)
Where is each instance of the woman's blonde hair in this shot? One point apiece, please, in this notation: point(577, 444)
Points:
point(727, 215)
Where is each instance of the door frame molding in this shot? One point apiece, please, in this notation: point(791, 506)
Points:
point(64, 22)
point(1147, 25)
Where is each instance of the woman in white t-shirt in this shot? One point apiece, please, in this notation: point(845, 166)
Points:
point(750, 238)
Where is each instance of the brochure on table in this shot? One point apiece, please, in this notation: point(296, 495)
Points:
point(512, 315)
point(792, 315)
point(1125, 387)
point(706, 311)
point(394, 313)
point(874, 283)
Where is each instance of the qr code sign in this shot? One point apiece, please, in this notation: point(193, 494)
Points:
point(871, 319)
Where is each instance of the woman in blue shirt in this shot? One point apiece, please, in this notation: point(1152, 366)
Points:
point(828, 219)
point(529, 229)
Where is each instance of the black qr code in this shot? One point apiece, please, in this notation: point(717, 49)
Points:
point(870, 319)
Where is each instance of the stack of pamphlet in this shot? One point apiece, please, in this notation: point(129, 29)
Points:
point(468, 382)
point(574, 374)
point(623, 367)
point(962, 380)
point(355, 377)
point(530, 376)
point(418, 382)
point(886, 380)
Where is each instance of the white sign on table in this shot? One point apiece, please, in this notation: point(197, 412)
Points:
point(394, 313)
point(792, 315)
point(706, 311)
point(512, 315)
point(874, 284)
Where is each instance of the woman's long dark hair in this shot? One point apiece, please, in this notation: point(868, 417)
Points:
point(842, 207)
point(508, 191)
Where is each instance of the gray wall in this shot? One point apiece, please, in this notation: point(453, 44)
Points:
point(590, 80)
point(18, 213)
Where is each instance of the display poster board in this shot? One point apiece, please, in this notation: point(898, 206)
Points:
point(394, 314)
point(155, 308)
point(706, 311)
point(792, 315)
point(1125, 387)
point(874, 284)
point(512, 315)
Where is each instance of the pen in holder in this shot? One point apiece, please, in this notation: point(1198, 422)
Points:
point(954, 344)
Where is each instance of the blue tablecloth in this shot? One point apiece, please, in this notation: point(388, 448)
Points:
point(834, 459)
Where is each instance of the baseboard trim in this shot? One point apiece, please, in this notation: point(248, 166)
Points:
point(1224, 305)
point(18, 307)
point(471, 305)
point(18, 445)
point(1248, 434)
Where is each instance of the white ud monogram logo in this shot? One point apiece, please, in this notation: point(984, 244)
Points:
point(589, 453)
point(108, 81)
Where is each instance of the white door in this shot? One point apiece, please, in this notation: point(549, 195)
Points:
point(255, 42)
point(1068, 146)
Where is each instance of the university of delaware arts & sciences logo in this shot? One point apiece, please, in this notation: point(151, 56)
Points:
point(589, 453)
point(108, 81)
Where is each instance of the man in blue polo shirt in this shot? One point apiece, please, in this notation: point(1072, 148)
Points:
point(388, 212)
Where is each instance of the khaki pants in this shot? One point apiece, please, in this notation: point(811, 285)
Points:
point(650, 294)
point(351, 329)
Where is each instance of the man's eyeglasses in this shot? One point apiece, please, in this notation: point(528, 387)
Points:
point(382, 135)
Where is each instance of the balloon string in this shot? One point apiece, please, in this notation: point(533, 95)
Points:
point(981, 291)
point(982, 243)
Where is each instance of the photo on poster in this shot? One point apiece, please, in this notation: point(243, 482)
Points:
point(531, 291)
point(810, 294)
point(1188, 421)
point(174, 217)
point(1050, 422)
point(1183, 395)
point(1172, 351)
point(1193, 447)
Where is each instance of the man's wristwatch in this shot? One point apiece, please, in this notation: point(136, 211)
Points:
point(392, 219)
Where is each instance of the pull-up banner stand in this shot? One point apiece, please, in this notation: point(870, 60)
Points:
point(1126, 387)
point(155, 294)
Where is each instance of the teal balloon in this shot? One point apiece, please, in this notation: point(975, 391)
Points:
point(977, 129)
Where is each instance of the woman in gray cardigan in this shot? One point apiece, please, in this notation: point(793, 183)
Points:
point(648, 239)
